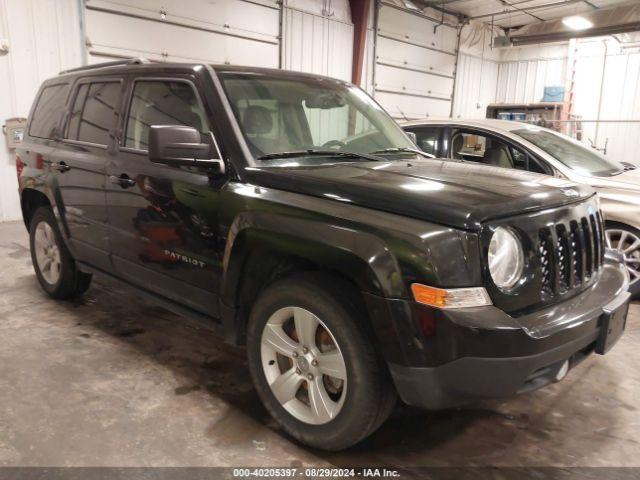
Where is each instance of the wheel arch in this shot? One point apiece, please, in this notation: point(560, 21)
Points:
point(30, 200)
point(262, 249)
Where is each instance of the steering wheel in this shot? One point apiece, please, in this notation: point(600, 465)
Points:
point(333, 144)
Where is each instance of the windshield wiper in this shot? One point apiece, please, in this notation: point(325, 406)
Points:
point(404, 150)
point(319, 153)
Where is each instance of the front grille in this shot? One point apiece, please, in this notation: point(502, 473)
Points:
point(570, 254)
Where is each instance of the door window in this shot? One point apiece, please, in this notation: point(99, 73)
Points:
point(162, 102)
point(490, 150)
point(94, 112)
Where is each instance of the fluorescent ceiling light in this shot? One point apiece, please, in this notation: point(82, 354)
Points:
point(577, 22)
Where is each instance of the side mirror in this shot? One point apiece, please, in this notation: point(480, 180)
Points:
point(179, 145)
point(413, 137)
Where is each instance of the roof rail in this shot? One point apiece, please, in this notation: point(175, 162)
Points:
point(115, 63)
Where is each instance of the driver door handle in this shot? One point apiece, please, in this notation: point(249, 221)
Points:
point(123, 180)
point(60, 167)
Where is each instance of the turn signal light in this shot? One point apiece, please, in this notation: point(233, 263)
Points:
point(450, 297)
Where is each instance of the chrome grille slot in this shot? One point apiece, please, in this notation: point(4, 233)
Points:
point(546, 261)
point(588, 243)
point(577, 247)
point(596, 242)
point(565, 255)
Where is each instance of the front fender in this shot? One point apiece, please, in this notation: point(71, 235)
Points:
point(358, 255)
point(620, 208)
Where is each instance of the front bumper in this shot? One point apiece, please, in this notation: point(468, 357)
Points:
point(477, 353)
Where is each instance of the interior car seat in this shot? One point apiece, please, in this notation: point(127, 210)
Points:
point(497, 154)
point(258, 122)
point(456, 146)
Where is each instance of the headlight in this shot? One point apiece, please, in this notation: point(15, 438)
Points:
point(506, 260)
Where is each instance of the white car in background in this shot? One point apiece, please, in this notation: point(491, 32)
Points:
point(522, 146)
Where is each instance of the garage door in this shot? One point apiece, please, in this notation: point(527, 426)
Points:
point(415, 65)
point(238, 32)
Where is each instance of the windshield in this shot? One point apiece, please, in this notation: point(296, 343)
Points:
point(573, 154)
point(283, 115)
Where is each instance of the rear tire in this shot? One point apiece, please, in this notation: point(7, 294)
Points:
point(330, 325)
point(55, 269)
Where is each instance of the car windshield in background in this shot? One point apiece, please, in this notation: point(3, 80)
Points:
point(280, 117)
point(573, 154)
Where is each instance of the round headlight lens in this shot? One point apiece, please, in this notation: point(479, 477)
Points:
point(506, 260)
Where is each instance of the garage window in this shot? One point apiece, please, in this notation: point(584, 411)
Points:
point(94, 112)
point(47, 112)
point(157, 102)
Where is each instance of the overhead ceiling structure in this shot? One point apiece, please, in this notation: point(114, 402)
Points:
point(516, 13)
point(607, 21)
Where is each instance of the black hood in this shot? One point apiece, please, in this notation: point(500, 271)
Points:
point(460, 195)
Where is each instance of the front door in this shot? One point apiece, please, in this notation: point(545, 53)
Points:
point(163, 219)
point(79, 163)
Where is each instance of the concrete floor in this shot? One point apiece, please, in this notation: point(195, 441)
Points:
point(115, 381)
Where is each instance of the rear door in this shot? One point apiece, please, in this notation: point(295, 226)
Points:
point(79, 162)
point(164, 219)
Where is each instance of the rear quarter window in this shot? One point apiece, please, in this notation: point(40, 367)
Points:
point(49, 108)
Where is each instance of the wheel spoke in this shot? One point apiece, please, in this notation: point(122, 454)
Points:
point(286, 386)
point(633, 273)
point(332, 364)
point(623, 237)
point(306, 326)
point(40, 239)
point(635, 245)
point(46, 265)
point(607, 238)
point(48, 233)
point(275, 337)
point(321, 404)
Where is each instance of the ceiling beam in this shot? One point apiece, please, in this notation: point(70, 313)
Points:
point(529, 9)
point(609, 21)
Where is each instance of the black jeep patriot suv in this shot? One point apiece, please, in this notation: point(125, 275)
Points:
point(291, 211)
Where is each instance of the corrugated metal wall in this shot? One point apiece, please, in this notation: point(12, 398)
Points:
point(476, 84)
point(614, 96)
point(525, 71)
point(316, 43)
point(524, 81)
point(43, 37)
point(476, 73)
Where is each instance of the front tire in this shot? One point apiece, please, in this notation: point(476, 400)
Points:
point(55, 268)
point(314, 365)
point(626, 240)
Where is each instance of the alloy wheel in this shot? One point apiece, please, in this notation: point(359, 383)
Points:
point(628, 244)
point(47, 253)
point(303, 365)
